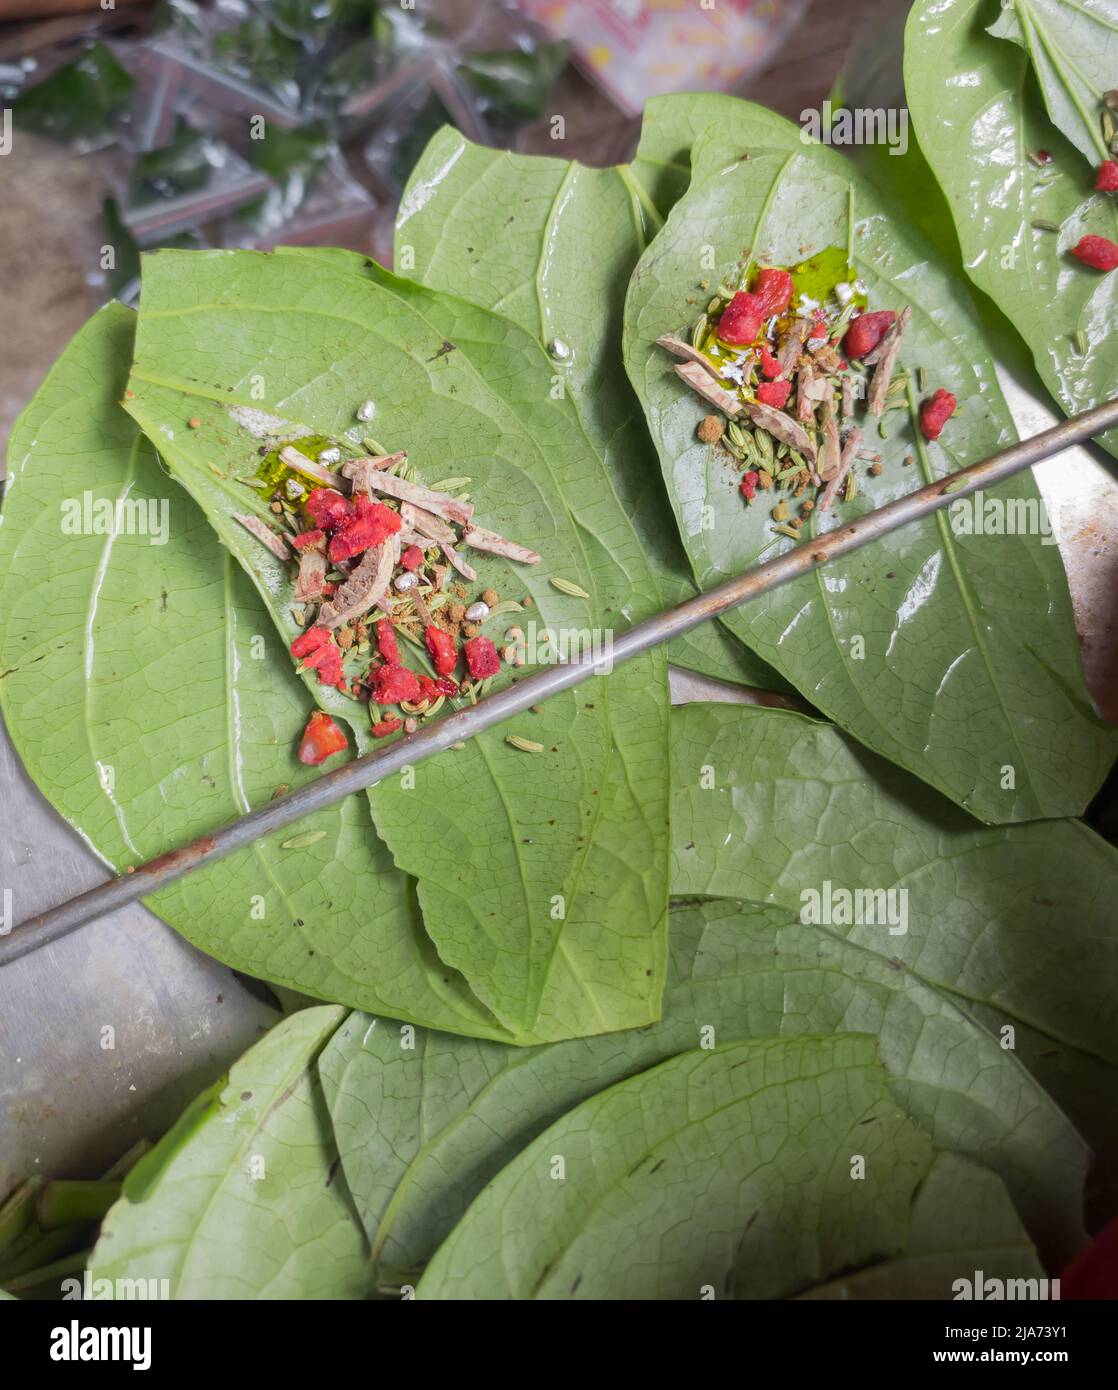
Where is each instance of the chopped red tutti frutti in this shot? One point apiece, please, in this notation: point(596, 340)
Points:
point(1106, 181)
point(482, 658)
point(391, 684)
point(317, 650)
point(1097, 252)
point(387, 645)
point(372, 525)
point(935, 413)
point(412, 558)
point(741, 319)
point(430, 690)
point(327, 661)
point(307, 538)
point(749, 483)
point(770, 365)
point(774, 393)
point(441, 646)
point(327, 508)
point(384, 727)
point(773, 290)
point(321, 739)
point(867, 331)
point(310, 641)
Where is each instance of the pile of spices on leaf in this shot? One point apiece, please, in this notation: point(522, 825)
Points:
point(788, 359)
point(376, 570)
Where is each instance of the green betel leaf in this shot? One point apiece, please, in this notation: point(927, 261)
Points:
point(978, 121)
point(946, 646)
point(1013, 925)
point(424, 1121)
point(753, 1170)
point(151, 702)
point(242, 1199)
point(543, 880)
point(551, 244)
point(963, 1228)
point(1073, 48)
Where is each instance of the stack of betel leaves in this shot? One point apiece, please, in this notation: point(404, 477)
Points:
point(720, 1001)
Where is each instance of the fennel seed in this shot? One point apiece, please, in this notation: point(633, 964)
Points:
point(566, 587)
point(312, 837)
point(526, 745)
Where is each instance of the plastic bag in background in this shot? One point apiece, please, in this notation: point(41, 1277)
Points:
point(84, 101)
point(485, 68)
point(230, 118)
point(313, 199)
point(289, 61)
point(634, 50)
point(288, 181)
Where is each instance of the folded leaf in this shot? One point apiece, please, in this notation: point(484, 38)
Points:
point(754, 1170)
point(1073, 48)
point(952, 653)
point(542, 879)
point(551, 244)
point(977, 120)
point(242, 1198)
point(151, 702)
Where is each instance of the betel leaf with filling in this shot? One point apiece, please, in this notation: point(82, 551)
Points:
point(551, 244)
point(951, 653)
point(150, 700)
point(541, 876)
point(1020, 194)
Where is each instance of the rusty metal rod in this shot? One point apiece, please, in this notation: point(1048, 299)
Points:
point(367, 771)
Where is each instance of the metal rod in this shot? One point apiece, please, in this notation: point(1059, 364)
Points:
point(367, 771)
